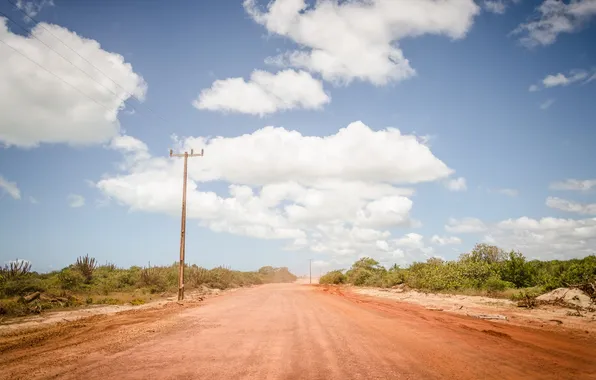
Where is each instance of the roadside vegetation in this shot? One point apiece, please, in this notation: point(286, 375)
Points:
point(485, 270)
point(86, 282)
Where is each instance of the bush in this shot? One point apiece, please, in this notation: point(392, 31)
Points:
point(495, 284)
point(154, 278)
point(335, 277)
point(70, 279)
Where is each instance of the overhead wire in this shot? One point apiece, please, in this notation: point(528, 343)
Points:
point(63, 57)
point(71, 49)
point(39, 23)
point(54, 74)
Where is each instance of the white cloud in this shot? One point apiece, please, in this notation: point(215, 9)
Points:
point(560, 79)
point(563, 80)
point(495, 6)
point(37, 107)
point(574, 184)
point(33, 200)
point(546, 104)
point(508, 192)
point(32, 7)
point(10, 188)
point(571, 206)
point(498, 6)
point(465, 225)
point(264, 93)
point(547, 238)
point(335, 194)
point(445, 240)
point(75, 200)
point(555, 17)
point(359, 39)
point(457, 184)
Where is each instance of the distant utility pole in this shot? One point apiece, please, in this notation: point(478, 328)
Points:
point(310, 271)
point(183, 223)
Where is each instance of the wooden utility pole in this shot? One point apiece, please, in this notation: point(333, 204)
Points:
point(183, 222)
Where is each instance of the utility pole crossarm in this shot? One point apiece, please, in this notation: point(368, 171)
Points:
point(183, 221)
point(191, 154)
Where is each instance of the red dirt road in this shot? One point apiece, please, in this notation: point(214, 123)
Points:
point(296, 332)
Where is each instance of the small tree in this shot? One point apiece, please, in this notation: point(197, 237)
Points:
point(516, 270)
point(483, 252)
point(86, 265)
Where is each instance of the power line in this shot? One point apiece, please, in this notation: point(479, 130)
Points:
point(71, 49)
point(56, 75)
point(130, 95)
point(63, 57)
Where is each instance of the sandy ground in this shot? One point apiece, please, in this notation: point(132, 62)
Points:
point(292, 331)
point(543, 316)
point(53, 317)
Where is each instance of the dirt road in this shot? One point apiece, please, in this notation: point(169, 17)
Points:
point(295, 332)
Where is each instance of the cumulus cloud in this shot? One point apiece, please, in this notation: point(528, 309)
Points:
point(571, 206)
point(561, 79)
point(445, 240)
point(75, 200)
point(465, 225)
point(553, 18)
point(574, 184)
point(264, 93)
point(10, 188)
point(339, 194)
point(547, 238)
point(456, 184)
point(31, 8)
point(38, 107)
point(351, 40)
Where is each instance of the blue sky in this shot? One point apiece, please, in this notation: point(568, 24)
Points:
point(478, 156)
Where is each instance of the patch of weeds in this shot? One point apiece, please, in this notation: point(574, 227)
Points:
point(137, 302)
point(108, 301)
point(525, 299)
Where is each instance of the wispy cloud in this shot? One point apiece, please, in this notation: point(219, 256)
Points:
point(10, 188)
point(546, 104)
point(75, 200)
point(574, 184)
point(32, 7)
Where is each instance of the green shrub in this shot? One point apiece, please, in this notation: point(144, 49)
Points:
point(335, 277)
point(109, 301)
point(154, 278)
point(69, 279)
point(13, 308)
point(495, 284)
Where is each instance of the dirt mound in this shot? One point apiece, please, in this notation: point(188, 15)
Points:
point(574, 297)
